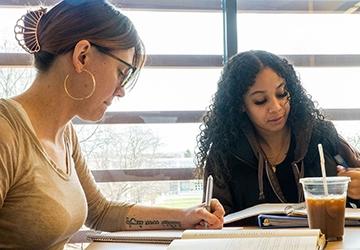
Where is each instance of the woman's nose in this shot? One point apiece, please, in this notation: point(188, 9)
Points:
point(119, 92)
point(275, 105)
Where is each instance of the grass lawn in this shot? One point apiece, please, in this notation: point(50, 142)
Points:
point(181, 201)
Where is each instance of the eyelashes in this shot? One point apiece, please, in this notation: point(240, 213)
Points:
point(284, 94)
point(120, 74)
point(281, 96)
point(260, 102)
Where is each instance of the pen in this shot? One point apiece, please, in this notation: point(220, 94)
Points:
point(208, 194)
point(341, 161)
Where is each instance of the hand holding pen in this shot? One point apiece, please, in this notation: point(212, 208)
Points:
point(343, 169)
point(209, 214)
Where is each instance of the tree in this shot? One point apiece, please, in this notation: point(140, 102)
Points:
point(130, 148)
point(188, 154)
point(14, 81)
point(354, 141)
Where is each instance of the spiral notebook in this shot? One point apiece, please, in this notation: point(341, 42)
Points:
point(266, 208)
point(285, 215)
point(148, 236)
point(286, 221)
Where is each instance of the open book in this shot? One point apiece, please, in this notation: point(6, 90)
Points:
point(265, 208)
point(250, 239)
point(285, 215)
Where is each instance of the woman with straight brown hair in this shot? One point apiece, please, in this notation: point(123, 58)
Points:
point(86, 53)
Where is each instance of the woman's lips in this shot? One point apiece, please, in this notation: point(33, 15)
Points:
point(276, 120)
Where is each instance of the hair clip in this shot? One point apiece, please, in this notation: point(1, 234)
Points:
point(26, 30)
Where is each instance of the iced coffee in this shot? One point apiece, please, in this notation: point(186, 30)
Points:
point(326, 205)
point(327, 214)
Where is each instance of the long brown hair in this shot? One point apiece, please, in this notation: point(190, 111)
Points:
point(94, 20)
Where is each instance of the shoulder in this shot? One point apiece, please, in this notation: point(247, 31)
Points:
point(8, 152)
point(323, 132)
point(10, 119)
point(326, 132)
point(7, 132)
point(325, 126)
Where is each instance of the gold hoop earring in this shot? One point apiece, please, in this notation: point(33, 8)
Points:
point(80, 98)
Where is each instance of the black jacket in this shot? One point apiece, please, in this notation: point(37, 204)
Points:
point(247, 179)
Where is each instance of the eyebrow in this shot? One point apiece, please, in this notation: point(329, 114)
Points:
point(262, 91)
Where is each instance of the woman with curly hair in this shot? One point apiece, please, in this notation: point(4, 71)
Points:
point(260, 135)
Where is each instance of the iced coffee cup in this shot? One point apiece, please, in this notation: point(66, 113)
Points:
point(326, 206)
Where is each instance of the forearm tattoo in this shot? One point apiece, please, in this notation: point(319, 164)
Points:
point(133, 222)
point(171, 224)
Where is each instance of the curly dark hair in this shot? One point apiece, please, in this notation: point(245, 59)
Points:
point(220, 127)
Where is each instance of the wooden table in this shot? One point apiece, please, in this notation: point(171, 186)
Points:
point(351, 241)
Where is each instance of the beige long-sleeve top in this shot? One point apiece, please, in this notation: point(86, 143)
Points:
point(40, 205)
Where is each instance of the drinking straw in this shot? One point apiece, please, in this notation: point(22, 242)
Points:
point(322, 164)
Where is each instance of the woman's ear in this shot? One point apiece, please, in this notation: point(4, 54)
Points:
point(80, 55)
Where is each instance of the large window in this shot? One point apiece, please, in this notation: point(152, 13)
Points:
point(184, 40)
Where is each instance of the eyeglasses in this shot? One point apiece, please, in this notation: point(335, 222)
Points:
point(129, 78)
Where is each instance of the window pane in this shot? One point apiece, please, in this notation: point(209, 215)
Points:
point(14, 81)
point(179, 32)
point(299, 33)
point(332, 87)
point(179, 194)
point(8, 18)
point(350, 130)
point(170, 89)
point(139, 145)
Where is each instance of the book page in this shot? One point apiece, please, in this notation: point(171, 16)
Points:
point(249, 233)
point(275, 243)
point(352, 213)
point(292, 209)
